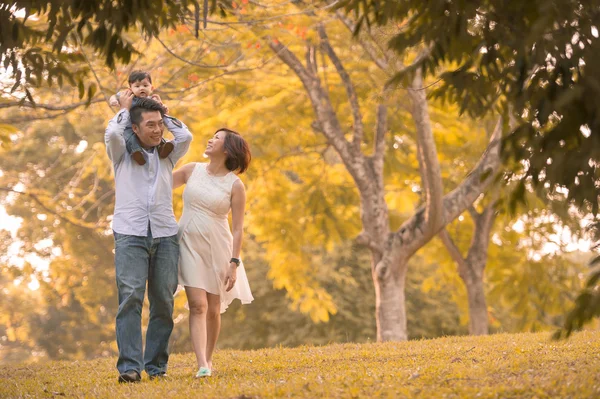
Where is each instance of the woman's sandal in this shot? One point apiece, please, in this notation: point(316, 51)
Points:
point(203, 372)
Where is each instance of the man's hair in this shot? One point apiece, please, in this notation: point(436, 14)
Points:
point(144, 105)
point(138, 76)
point(238, 151)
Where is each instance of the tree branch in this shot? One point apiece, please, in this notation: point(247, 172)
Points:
point(477, 255)
point(30, 119)
point(379, 145)
point(475, 183)
point(92, 69)
point(374, 212)
point(405, 69)
point(49, 107)
point(365, 239)
point(456, 201)
point(347, 82)
point(311, 59)
point(97, 203)
point(197, 64)
point(321, 104)
point(51, 211)
point(198, 84)
point(368, 45)
point(429, 164)
point(453, 250)
point(473, 212)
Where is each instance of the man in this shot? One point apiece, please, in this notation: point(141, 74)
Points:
point(145, 231)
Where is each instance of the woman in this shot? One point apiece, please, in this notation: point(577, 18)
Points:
point(209, 265)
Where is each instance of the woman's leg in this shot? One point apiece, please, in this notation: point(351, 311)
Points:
point(213, 325)
point(198, 310)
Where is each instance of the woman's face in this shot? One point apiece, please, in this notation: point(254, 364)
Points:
point(216, 144)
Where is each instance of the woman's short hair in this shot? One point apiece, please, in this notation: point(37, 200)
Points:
point(237, 151)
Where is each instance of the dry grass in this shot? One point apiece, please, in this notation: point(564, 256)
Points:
point(497, 366)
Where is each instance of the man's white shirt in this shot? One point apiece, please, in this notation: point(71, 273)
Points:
point(144, 192)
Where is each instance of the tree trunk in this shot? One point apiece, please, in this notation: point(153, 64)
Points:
point(390, 309)
point(478, 315)
point(472, 267)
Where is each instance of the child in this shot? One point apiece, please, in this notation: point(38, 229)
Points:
point(140, 84)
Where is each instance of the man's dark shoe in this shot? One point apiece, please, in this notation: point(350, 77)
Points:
point(138, 157)
point(130, 376)
point(159, 376)
point(164, 149)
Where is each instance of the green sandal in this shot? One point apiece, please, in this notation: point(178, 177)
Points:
point(203, 372)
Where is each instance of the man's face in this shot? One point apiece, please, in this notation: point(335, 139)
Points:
point(142, 88)
point(150, 130)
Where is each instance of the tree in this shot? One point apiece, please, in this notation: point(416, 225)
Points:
point(309, 183)
point(36, 36)
point(538, 61)
point(63, 193)
point(471, 267)
point(390, 250)
point(539, 58)
point(505, 254)
point(289, 271)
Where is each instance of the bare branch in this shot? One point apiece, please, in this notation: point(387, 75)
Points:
point(379, 150)
point(311, 59)
point(473, 212)
point(422, 55)
point(320, 101)
point(50, 107)
point(198, 64)
point(458, 199)
point(34, 197)
point(29, 118)
point(484, 222)
point(183, 90)
point(347, 82)
point(452, 248)
point(92, 69)
point(429, 164)
point(365, 239)
point(480, 177)
point(368, 44)
point(89, 194)
point(97, 203)
point(255, 22)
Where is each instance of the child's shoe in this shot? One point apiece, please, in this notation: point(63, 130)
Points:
point(138, 157)
point(164, 149)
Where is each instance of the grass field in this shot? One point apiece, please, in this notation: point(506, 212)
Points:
point(496, 366)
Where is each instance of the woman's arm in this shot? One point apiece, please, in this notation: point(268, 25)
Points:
point(181, 175)
point(238, 205)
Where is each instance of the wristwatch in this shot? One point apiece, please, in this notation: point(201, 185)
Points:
point(235, 260)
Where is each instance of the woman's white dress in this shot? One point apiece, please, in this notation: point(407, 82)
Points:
point(205, 240)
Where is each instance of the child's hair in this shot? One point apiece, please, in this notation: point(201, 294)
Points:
point(138, 76)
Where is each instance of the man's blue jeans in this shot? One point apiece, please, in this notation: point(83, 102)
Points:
point(139, 260)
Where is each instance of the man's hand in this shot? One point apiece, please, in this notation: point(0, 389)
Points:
point(126, 100)
point(157, 98)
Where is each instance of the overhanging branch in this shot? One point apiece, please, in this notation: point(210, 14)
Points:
point(66, 219)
